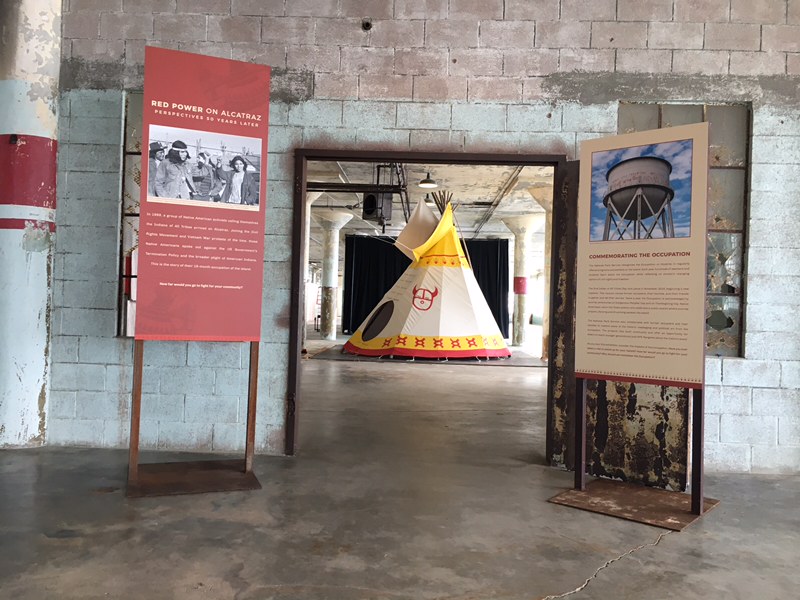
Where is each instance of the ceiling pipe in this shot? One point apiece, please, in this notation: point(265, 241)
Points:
point(507, 188)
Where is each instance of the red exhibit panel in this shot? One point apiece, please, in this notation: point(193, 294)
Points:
point(203, 198)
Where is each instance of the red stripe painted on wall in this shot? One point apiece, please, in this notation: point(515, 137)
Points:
point(28, 170)
point(24, 223)
point(520, 285)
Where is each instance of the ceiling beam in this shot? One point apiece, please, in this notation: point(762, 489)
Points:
point(358, 188)
point(505, 190)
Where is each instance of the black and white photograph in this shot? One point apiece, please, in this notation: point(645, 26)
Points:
point(194, 167)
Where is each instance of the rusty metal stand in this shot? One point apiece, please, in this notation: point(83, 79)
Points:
point(634, 502)
point(195, 477)
point(580, 434)
point(698, 429)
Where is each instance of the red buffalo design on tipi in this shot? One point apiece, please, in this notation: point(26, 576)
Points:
point(423, 299)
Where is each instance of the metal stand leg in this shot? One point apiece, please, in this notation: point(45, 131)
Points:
point(252, 395)
point(190, 477)
point(698, 414)
point(136, 413)
point(580, 434)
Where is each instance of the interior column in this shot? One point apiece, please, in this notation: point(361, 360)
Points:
point(523, 228)
point(331, 222)
point(543, 195)
point(310, 198)
point(30, 59)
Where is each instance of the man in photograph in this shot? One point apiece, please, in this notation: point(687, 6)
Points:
point(156, 156)
point(204, 177)
point(173, 178)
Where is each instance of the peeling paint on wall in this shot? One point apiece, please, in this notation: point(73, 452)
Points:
point(601, 88)
point(291, 87)
point(48, 323)
point(561, 371)
point(638, 433)
point(36, 237)
point(24, 293)
point(287, 86)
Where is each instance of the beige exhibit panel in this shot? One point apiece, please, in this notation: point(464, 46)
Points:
point(641, 260)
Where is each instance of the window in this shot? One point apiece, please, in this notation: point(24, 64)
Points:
point(727, 200)
point(129, 239)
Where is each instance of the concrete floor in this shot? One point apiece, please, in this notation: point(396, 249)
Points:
point(409, 484)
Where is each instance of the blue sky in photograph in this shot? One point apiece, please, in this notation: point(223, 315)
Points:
point(678, 153)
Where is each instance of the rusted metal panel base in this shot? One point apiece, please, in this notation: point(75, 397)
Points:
point(634, 502)
point(197, 477)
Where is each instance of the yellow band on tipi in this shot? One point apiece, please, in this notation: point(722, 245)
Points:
point(443, 241)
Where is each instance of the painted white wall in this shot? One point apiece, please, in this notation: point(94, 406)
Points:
point(24, 282)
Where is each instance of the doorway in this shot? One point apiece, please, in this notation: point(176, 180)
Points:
point(485, 188)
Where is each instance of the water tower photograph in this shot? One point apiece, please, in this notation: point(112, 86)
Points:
point(642, 192)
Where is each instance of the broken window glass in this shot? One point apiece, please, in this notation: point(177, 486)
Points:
point(724, 263)
point(723, 325)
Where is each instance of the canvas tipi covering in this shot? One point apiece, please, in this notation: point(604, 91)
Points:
point(436, 309)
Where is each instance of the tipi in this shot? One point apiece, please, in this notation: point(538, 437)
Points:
point(436, 309)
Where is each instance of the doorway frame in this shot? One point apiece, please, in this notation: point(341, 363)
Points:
point(297, 297)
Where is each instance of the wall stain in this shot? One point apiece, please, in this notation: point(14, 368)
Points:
point(291, 87)
point(77, 73)
point(275, 440)
point(9, 38)
point(631, 406)
point(36, 237)
point(638, 433)
point(558, 449)
point(602, 88)
point(42, 402)
point(287, 86)
point(40, 436)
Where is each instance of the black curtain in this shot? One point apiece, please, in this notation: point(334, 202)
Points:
point(373, 265)
point(490, 264)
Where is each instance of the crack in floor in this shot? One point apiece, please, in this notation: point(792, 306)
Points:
point(606, 565)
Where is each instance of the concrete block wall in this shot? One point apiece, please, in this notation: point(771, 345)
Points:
point(194, 394)
point(754, 401)
point(87, 391)
point(512, 76)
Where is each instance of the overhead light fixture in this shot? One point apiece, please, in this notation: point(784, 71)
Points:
point(428, 182)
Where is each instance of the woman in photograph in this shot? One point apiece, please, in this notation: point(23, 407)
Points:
point(173, 176)
point(241, 186)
